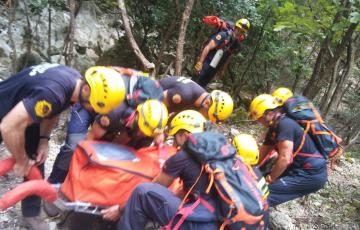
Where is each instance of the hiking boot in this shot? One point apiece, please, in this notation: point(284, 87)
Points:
point(50, 209)
point(35, 223)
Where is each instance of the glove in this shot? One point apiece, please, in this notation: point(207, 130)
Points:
point(198, 67)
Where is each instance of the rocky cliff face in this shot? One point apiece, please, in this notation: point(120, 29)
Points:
point(93, 36)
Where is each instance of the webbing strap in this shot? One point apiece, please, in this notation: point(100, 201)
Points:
point(308, 124)
point(310, 155)
point(192, 187)
point(267, 157)
point(187, 211)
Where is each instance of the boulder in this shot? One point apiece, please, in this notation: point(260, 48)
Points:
point(280, 221)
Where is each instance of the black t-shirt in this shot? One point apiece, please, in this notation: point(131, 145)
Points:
point(224, 40)
point(288, 129)
point(188, 91)
point(45, 90)
point(188, 169)
point(116, 122)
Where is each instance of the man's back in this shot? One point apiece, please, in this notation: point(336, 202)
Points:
point(181, 93)
point(44, 86)
point(308, 157)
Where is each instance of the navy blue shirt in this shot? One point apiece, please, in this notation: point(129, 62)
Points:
point(188, 169)
point(288, 129)
point(116, 122)
point(188, 90)
point(45, 90)
point(224, 40)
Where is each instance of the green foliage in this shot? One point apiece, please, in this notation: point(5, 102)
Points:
point(106, 5)
point(37, 6)
point(355, 17)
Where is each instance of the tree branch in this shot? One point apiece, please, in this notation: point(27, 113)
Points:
point(147, 65)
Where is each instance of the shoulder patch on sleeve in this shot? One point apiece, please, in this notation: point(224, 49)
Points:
point(43, 108)
point(104, 121)
point(218, 37)
point(176, 99)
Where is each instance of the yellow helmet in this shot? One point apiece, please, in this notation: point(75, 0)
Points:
point(107, 88)
point(247, 148)
point(153, 117)
point(243, 24)
point(221, 107)
point(282, 94)
point(262, 103)
point(189, 120)
point(256, 100)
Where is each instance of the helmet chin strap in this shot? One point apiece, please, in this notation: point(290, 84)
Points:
point(81, 100)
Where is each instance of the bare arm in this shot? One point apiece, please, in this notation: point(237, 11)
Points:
point(284, 159)
point(12, 128)
point(164, 179)
point(46, 126)
point(210, 46)
point(264, 151)
point(96, 132)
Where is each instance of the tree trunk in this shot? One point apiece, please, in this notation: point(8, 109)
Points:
point(330, 90)
point(344, 78)
point(343, 93)
point(70, 48)
point(13, 55)
point(28, 31)
point(49, 34)
point(181, 41)
point(326, 59)
point(147, 65)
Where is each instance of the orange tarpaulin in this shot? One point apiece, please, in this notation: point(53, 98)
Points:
point(105, 174)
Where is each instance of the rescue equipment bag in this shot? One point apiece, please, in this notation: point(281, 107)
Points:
point(301, 110)
point(105, 174)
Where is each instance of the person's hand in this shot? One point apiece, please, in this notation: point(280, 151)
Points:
point(23, 166)
point(198, 67)
point(112, 214)
point(42, 151)
point(159, 139)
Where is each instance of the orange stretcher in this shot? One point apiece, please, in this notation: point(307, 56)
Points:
point(101, 174)
point(34, 186)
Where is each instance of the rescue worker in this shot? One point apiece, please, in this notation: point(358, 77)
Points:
point(181, 93)
point(81, 119)
point(218, 50)
point(282, 94)
point(247, 148)
point(154, 201)
point(30, 102)
point(291, 177)
point(135, 128)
